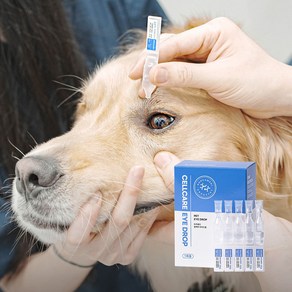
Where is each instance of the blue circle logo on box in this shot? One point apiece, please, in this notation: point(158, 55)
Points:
point(205, 187)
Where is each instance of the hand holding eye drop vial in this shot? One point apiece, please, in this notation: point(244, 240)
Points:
point(152, 52)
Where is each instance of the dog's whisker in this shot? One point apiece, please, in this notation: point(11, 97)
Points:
point(16, 148)
point(19, 236)
point(15, 157)
point(33, 139)
point(67, 86)
point(66, 99)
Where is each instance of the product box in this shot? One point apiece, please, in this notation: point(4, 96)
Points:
point(197, 185)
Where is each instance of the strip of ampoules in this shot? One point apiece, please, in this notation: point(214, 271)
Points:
point(152, 52)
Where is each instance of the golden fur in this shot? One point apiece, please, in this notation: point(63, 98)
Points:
point(112, 133)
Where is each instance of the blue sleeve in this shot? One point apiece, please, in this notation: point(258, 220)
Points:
point(98, 25)
point(8, 235)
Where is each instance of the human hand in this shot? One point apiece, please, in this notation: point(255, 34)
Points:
point(122, 236)
point(165, 161)
point(236, 71)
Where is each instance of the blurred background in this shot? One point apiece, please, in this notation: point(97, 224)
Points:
point(268, 22)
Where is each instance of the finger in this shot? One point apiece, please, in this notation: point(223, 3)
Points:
point(163, 232)
point(124, 209)
point(165, 162)
point(136, 71)
point(135, 235)
point(119, 249)
point(82, 226)
point(195, 43)
point(183, 74)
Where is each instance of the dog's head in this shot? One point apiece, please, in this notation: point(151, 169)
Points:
point(114, 130)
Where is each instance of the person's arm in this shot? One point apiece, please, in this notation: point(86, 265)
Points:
point(225, 62)
point(119, 242)
point(46, 272)
point(278, 236)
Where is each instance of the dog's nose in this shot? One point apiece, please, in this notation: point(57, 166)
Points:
point(34, 174)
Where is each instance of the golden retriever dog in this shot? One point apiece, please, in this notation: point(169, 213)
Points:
point(114, 130)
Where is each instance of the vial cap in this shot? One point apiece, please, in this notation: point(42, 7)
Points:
point(218, 206)
point(228, 206)
point(248, 206)
point(238, 206)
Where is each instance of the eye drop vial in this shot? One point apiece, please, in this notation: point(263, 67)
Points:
point(259, 237)
point(228, 237)
point(259, 224)
point(249, 223)
point(238, 237)
point(218, 236)
point(238, 223)
point(228, 222)
point(249, 236)
point(152, 52)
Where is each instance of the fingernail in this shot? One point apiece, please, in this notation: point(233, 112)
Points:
point(162, 159)
point(161, 76)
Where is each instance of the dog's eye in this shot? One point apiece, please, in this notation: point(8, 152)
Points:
point(160, 121)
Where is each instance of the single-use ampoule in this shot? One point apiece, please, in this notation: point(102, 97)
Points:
point(218, 236)
point(249, 223)
point(238, 223)
point(218, 224)
point(249, 236)
point(259, 237)
point(228, 222)
point(228, 237)
point(259, 224)
point(238, 237)
point(152, 52)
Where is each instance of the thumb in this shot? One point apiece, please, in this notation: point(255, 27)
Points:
point(183, 74)
point(165, 162)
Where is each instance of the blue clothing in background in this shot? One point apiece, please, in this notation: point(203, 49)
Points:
point(98, 25)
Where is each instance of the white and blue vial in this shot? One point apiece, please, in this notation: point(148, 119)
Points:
point(152, 52)
point(249, 223)
point(259, 237)
point(259, 223)
point(218, 237)
point(249, 236)
point(228, 237)
point(238, 236)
